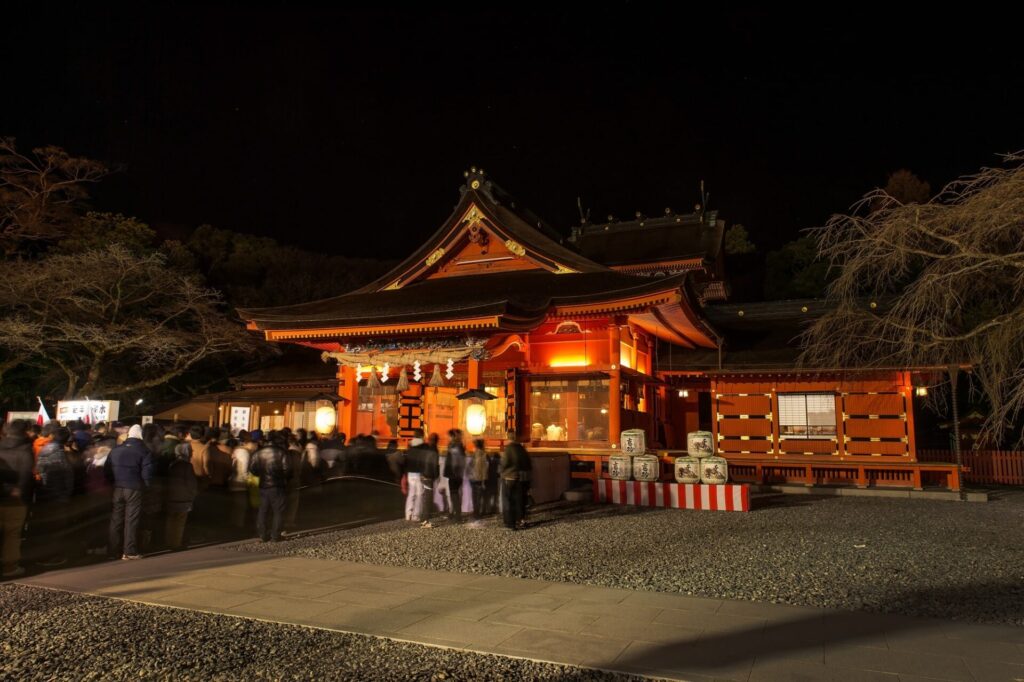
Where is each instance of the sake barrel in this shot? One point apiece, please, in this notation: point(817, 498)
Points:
point(646, 468)
point(620, 467)
point(687, 469)
point(699, 444)
point(633, 442)
point(714, 470)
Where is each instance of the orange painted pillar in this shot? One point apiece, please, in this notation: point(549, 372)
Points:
point(476, 374)
point(348, 389)
point(614, 407)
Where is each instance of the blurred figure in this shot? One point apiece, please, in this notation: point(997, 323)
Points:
point(199, 445)
point(415, 457)
point(98, 492)
point(395, 460)
point(492, 486)
point(180, 492)
point(238, 486)
point(454, 471)
point(476, 469)
point(514, 461)
point(16, 481)
point(130, 466)
point(270, 464)
point(51, 515)
point(332, 454)
point(429, 474)
point(295, 464)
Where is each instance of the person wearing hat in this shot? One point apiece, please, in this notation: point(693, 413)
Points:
point(130, 465)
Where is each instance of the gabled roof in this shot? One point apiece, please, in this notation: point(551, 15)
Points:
point(484, 205)
point(490, 267)
point(665, 239)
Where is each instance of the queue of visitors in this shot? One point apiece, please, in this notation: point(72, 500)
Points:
point(126, 491)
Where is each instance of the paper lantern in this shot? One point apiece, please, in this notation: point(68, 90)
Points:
point(326, 419)
point(476, 419)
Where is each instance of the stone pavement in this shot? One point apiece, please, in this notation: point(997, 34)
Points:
point(649, 633)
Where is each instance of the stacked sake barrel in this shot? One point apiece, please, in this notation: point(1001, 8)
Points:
point(700, 465)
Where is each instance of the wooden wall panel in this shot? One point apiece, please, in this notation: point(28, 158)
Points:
point(799, 446)
point(880, 403)
point(883, 448)
point(749, 404)
point(876, 428)
point(745, 427)
point(735, 445)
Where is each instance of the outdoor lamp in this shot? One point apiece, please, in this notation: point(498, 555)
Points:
point(921, 391)
point(683, 393)
point(476, 419)
point(325, 420)
point(476, 413)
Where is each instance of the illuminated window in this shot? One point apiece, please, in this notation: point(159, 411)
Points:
point(807, 415)
point(568, 410)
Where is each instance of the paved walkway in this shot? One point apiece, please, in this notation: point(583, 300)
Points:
point(649, 633)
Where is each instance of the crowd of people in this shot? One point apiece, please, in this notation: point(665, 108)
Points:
point(126, 490)
point(456, 482)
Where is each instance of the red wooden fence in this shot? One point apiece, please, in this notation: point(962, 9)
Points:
point(1004, 467)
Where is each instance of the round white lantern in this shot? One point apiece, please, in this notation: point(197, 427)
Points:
point(476, 419)
point(326, 419)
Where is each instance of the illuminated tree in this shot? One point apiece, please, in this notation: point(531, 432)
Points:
point(113, 321)
point(950, 272)
point(40, 193)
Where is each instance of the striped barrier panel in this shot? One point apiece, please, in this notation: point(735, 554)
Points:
point(675, 495)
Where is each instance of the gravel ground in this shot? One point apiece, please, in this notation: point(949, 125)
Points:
point(962, 561)
point(51, 635)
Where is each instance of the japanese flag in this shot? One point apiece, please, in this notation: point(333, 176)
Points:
point(42, 417)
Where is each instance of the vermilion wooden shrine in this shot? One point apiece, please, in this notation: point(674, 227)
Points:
point(621, 325)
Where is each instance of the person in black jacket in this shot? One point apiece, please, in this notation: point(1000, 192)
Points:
point(455, 471)
point(15, 493)
point(130, 466)
point(180, 490)
point(272, 466)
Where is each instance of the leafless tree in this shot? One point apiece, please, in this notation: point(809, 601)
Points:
point(39, 192)
point(113, 321)
point(947, 276)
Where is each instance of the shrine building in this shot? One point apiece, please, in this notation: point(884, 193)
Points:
point(499, 323)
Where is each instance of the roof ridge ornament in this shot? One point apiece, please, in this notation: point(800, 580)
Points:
point(476, 182)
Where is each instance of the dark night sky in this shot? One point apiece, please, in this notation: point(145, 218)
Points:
point(349, 131)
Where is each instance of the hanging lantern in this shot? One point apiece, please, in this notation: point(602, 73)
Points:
point(435, 379)
point(384, 373)
point(475, 411)
point(449, 371)
point(403, 381)
point(325, 420)
point(416, 373)
point(476, 419)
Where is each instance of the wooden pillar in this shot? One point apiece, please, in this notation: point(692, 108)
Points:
point(614, 407)
point(908, 413)
point(348, 389)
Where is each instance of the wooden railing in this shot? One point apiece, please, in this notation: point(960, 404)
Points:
point(1001, 467)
